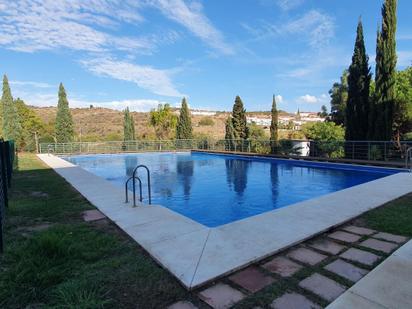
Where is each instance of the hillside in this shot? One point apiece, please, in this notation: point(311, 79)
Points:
point(107, 124)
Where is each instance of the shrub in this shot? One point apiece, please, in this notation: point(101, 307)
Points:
point(206, 121)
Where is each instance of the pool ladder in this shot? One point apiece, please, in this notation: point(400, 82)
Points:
point(133, 178)
point(408, 159)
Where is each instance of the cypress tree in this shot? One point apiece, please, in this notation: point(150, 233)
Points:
point(184, 125)
point(230, 133)
point(133, 127)
point(357, 108)
point(274, 126)
point(241, 130)
point(385, 73)
point(11, 120)
point(128, 126)
point(64, 123)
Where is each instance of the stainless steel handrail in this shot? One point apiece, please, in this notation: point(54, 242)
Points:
point(133, 178)
point(134, 190)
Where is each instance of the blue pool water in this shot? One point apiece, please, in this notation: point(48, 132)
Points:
point(218, 189)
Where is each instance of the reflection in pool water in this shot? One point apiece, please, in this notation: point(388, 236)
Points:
point(215, 190)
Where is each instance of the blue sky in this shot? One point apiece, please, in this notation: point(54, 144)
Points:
point(118, 53)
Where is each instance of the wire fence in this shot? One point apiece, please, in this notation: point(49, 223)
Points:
point(385, 151)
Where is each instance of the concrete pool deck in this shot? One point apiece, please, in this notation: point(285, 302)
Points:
point(196, 254)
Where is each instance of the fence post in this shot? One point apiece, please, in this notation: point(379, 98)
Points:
point(353, 150)
point(369, 150)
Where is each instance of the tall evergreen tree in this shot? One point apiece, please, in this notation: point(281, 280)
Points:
point(357, 107)
point(229, 133)
point(339, 98)
point(241, 130)
point(274, 126)
point(128, 126)
point(64, 123)
point(384, 98)
point(184, 125)
point(11, 120)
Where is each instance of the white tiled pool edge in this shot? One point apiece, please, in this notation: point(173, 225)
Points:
point(389, 285)
point(196, 254)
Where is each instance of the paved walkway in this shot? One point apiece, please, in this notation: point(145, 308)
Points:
point(327, 269)
point(388, 286)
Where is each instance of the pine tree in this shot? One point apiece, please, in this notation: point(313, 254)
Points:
point(11, 120)
point(274, 126)
point(384, 99)
point(241, 130)
point(128, 126)
point(64, 123)
point(357, 107)
point(184, 125)
point(230, 133)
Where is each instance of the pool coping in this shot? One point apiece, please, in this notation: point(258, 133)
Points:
point(196, 254)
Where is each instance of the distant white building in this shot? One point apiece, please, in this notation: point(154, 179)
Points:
point(202, 113)
point(259, 121)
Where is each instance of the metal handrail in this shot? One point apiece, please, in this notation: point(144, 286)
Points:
point(134, 191)
point(408, 159)
point(133, 178)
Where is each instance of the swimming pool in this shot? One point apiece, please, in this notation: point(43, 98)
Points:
point(218, 189)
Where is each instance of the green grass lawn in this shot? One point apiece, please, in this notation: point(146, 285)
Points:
point(53, 259)
point(394, 217)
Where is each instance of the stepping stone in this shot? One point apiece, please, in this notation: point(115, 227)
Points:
point(391, 237)
point(282, 266)
point(345, 237)
point(379, 245)
point(293, 301)
point(322, 286)
point(307, 256)
point(360, 256)
point(327, 246)
point(346, 270)
point(359, 230)
point(251, 279)
point(92, 215)
point(182, 305)
point(221, 296)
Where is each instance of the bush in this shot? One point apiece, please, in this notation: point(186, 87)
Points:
point(206, 121)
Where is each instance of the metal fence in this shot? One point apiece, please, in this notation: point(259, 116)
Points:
point(373, 151)
point(7, 157)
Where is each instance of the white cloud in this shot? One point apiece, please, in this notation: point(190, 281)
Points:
point(314, 27)
point(135, 105)
point(155, 80)
point(287, 5)
point(404, 37)
point(32, 25)
point(46, 99)
point(311, 99)
point(404, 58)
point(307, 98)
point(193, 19)
point(279, 99)
point(318, 27)
point(19, 83)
